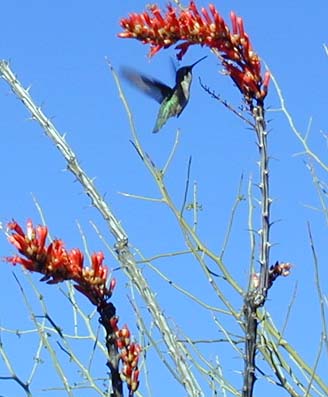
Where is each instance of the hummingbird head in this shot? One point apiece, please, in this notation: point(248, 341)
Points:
point(186, 71)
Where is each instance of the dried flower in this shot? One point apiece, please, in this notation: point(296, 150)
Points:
point(279, 269)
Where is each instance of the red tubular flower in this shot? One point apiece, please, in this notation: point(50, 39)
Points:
point(57, 264)
point(134, 380)
point(26, 263)
point(206, 29)
point(32, 243)
point(129, 355)
point(93, 281)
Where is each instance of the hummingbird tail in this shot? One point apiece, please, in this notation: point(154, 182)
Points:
point(156, 129)
point(159, 124)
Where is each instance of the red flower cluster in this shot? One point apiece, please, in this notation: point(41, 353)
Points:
point(57, 264)
point(207, 29)
point(129, 354)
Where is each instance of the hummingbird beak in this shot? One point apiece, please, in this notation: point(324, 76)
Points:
point(199, 60)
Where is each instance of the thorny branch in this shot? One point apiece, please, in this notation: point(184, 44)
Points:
point(178, 353)
point(257, 292)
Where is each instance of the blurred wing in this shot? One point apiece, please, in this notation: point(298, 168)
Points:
point(149, 86)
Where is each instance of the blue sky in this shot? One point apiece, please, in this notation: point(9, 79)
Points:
point(60, 51)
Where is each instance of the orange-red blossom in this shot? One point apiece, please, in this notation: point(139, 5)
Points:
point(206, 28)
point(129, 354)
point(57, 264)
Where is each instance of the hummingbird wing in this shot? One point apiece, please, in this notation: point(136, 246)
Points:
point(148, 85)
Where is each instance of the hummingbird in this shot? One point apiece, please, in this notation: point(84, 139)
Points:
point(172, 100)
